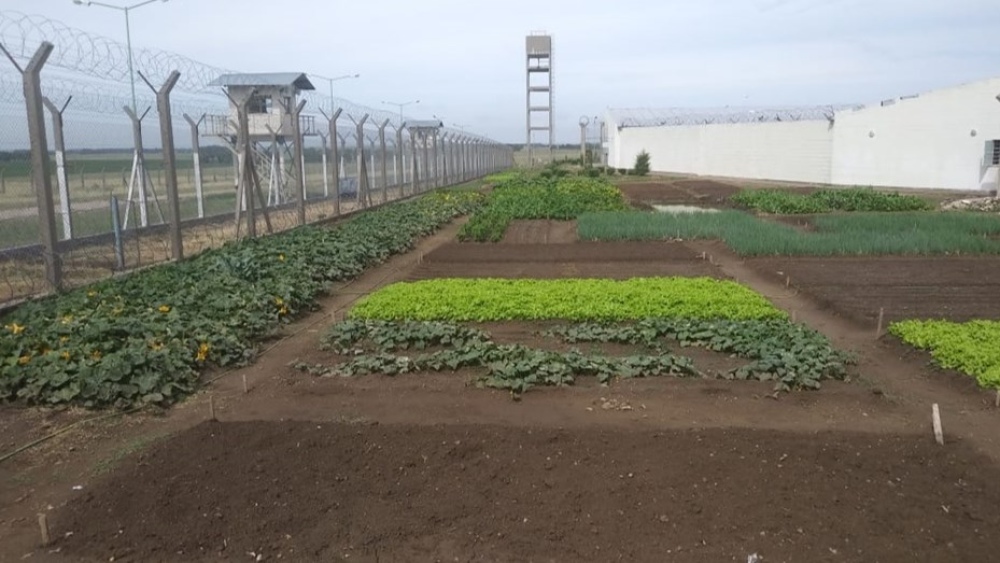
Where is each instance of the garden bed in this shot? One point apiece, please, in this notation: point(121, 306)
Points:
point(296, 491)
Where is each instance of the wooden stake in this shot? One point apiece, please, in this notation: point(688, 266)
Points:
point(245, 388)
point(881, 319)
point(211, 407)
point(794, 315)
point(43, 527)
point(788, 282)
point(936, 419)
point(997, 401)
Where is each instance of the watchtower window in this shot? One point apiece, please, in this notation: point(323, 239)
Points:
point(259, 104)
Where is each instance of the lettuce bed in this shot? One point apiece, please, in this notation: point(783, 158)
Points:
point(485, 299)
point(972, 348)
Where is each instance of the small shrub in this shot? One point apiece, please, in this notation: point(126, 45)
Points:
point(623, 171)
point(641, 167)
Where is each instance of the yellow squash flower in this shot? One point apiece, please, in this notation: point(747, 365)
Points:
point(65, 356)
point(15, 328)
point(164, 308)
point(24, 360)
point(96, 354)
point(283, 310)
point(67, 319)
point(202, 352)
point(281, 257)
point(279, 301)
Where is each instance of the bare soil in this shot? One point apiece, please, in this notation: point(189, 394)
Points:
point(688, 192)
point(304, 491)
point(544, 231)
point(614, 260)
point(957, 288)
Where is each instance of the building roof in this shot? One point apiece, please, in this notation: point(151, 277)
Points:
point(653, 117)
point(297, 79)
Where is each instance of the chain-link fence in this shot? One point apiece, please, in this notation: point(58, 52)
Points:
point(126, 184)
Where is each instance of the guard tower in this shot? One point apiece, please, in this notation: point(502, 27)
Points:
point(540, 111)
point(272, 101)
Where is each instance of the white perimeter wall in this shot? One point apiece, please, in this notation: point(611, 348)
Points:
point(796, 151)
point(922, 142)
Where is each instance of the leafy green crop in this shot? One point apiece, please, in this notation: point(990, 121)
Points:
point(487, 299)
point(845, 234)
point(825, 201)
point(526, 197)
point(792, 356)
point(142, 339)
point(971, 347)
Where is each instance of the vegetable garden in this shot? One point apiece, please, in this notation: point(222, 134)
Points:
point(460, 398)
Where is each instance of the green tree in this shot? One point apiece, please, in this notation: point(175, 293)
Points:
point(641, 167)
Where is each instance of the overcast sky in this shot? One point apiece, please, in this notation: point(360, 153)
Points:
point(465, 58)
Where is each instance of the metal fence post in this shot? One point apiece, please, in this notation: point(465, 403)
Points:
point(436, 181)
point(199, 188)
point(427, 162)
point(364, 188)
point(400, 177)
point(384, 164)
point(335, 158)
point(169, 160)
point(60, 142)
point(445, 140)
point(326, 169)
point(299, 155)
point(415, 174)
point(40, 165)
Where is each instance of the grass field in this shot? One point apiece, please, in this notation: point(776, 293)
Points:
point(846, 234)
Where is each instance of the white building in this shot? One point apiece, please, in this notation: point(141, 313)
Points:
point(946, 139)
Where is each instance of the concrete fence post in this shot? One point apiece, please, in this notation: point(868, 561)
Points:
point(169, 160)
point(61, 178)
point(199, 186)
point(40, 164)
point(300, 169)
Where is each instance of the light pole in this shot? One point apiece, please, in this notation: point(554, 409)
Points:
point(334, 79)
point(128, 34)
point(401, 105)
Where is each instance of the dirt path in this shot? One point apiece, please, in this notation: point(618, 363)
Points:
point(966, 412)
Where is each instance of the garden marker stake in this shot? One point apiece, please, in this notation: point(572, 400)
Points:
point(43, 527)
point(881, 319)
point(211, 407)
point(245, 388)
point(936, 420)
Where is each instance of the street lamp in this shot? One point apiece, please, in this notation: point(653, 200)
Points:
point(401, 105)
point(128, 35)
point(334, 79)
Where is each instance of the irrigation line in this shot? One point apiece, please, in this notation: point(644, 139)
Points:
point(63, 430)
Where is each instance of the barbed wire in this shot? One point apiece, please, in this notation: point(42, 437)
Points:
point(651, 117)
point(94, 70)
